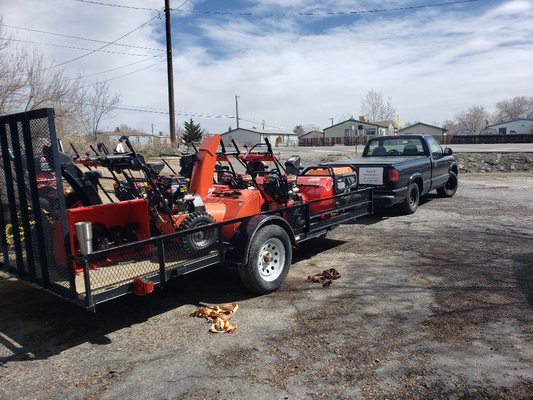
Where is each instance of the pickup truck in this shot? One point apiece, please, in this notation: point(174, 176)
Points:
point(403, 168)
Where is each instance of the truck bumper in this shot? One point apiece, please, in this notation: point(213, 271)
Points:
point(388, 198)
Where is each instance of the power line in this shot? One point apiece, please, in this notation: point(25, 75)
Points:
point(149, 110)
point(326, 13)
point(126, 74)
point(100, 3)
point(113, 69)
point(72, 47)
point(251, 121)
point(109, 44)
point(80, 38)
point(181, 5)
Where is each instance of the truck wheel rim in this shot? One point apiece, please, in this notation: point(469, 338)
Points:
point(413, 197)
point(271, 259)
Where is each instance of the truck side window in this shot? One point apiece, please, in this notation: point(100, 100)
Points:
point(434, 148)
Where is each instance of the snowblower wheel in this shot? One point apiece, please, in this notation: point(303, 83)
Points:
point(200, 243)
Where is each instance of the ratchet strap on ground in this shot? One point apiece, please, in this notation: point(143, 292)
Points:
point(219, 316)
point(325, 278)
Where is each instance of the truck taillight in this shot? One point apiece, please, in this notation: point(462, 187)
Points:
point(394, 175)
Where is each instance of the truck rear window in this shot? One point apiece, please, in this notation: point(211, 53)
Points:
point(393, 147)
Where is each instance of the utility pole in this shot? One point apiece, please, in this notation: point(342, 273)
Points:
point(170, 73)
point(331, 121)
point(237, 109)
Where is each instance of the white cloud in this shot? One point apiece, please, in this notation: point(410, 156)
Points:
point(433, 63)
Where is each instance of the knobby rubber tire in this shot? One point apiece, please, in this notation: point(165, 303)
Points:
point(200, 243)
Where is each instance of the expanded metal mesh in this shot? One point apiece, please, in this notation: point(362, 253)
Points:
point(51, 191)
point(168, 257)
point(33, 242)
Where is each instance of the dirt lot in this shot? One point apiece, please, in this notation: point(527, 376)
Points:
point(433, 305)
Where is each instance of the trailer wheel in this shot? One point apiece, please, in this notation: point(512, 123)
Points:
point(449, 189)
point(410, 203)
point(269, 260)
point(199, 243)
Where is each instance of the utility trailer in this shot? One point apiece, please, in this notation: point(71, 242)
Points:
point(35, 228)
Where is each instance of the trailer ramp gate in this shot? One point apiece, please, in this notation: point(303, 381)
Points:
point(33, 204)
point(34, 229)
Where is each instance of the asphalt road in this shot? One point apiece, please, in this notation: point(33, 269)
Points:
point(433, 305)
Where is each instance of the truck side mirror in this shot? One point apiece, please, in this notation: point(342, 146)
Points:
point(448, 151)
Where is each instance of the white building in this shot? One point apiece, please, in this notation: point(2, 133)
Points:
point(345, 131)
point(521, 126)
point(250, 137)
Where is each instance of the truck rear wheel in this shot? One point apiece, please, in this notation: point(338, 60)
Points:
point(269, 260)
point(410, 204)
point(449, 189)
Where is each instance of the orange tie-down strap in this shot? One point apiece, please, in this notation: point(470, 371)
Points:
point(219, 316)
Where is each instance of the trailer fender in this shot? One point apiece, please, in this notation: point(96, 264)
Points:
point(242, 239)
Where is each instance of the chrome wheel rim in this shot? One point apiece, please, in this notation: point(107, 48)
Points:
point(271, 259)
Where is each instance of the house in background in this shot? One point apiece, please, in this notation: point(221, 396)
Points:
point(311, 138)
point(421, 128)
point(344, 132)
point(253, 136)
point(521, 126)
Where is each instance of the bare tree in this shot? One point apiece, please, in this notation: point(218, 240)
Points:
point(27, 83)
point(344, 117)
point(375, 108)
point(12, 77)
point(452, 127)
point(311, 127)
point(298, 129)
point(100, 102)
point(515, 108)
point(473, 119)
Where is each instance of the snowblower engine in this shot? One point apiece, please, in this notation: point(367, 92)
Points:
point(279, 188)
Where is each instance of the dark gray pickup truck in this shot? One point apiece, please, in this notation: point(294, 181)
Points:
point(403, 168)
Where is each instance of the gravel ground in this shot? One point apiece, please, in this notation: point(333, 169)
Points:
point(433, 305)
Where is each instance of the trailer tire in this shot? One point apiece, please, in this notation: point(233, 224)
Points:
point(269, 260)
point(410, 204)
point(449, 189)
point(198, 244)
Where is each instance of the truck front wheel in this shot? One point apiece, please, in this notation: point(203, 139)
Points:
point(410, 204)
point(269, 260)
point(449, 189)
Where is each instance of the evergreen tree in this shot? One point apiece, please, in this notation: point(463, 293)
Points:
point(193, 133)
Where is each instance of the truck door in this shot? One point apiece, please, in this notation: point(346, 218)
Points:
point(439, 164)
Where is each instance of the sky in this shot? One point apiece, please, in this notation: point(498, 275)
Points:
point(291, 62)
